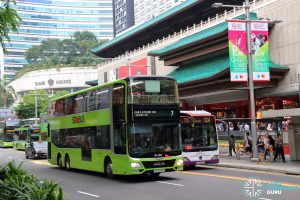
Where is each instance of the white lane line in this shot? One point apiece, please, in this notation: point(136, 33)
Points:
point(93, 195)
point(168, 183)
point(9, 157)
point(265, 199)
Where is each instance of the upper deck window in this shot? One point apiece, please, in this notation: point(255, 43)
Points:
point(152, 91)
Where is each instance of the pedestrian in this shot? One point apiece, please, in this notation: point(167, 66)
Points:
point(248, 143)
point(246, 127)
point(266, 145)
point(231, 145)
point(279, 148)
point(260, 149)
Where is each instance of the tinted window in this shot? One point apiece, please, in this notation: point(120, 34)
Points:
point(92, 101)
point(81, 103)
point(59, 108)
point(69, 105)
point(102, 98)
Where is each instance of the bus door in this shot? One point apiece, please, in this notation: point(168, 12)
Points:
point(118, 118)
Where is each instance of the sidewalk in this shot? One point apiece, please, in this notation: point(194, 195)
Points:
point(289, 167)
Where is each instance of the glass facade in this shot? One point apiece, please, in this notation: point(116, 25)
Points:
point(43, 19)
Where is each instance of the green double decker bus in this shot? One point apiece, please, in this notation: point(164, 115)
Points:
point(6, 132)
point(127, 127)
point(21, 134)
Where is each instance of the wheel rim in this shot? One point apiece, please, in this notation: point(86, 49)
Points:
point(109, 169)
point(68, 163)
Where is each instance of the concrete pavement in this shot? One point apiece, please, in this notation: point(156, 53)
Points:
point(289, 167)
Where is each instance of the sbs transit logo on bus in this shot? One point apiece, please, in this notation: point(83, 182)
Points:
point(78, 119)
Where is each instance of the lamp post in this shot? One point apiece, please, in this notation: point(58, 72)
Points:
point(246, 6)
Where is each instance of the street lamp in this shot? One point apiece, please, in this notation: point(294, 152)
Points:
point(246, 6)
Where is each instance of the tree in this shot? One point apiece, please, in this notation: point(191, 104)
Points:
point(9, 20)
point(6, 95)
point(55, 52)
point(26, 107)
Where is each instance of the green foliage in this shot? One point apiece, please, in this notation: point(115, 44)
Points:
point(9, 20)
point(26, 107)
point(6, 95)
point(17, 184)
point(54, 53)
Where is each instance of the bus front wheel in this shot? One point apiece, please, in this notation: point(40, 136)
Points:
point(108, 169)
point(59, 160)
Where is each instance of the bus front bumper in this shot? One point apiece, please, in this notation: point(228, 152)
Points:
point(156, 166)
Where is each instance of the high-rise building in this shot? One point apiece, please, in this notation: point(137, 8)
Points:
point(144, 10)
point(123, 15)
point(43, 19)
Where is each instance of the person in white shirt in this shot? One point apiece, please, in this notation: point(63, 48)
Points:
point(246, 127)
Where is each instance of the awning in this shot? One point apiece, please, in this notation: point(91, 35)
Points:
point(92, 82)
point(209, 69)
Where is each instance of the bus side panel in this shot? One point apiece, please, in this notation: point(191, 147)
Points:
point(95, 164)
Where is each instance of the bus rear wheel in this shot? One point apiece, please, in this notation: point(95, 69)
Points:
point(67, 163)
point(108, 169)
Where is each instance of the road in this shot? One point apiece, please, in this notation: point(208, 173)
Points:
point(214, 183)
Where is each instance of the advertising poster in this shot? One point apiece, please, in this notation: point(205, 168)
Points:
point(260, 51)
point(237, 50)
point(136, 68)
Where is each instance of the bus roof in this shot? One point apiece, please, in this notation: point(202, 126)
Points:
point(195, 113)
point(110, 83)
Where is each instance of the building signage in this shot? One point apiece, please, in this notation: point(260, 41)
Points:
point(237, 50)
point(51, 82)
point(260, 51)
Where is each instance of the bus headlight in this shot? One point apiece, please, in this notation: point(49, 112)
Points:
point(179, 162)
point(135, 165)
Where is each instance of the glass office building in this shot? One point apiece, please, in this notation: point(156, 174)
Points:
point(43, 19)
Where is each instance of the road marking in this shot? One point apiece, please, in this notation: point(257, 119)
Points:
point(238, 178)
point(41, 162)
point(93, 195)
point(264, 199)
point(9, 157)
point(21, 160)
point(168, 183)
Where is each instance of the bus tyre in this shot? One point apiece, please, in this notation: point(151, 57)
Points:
point(67, 163)
point(108, 169)
point(59, 160)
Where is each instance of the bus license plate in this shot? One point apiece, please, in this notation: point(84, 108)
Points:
point(200, 163)
point(158, 171)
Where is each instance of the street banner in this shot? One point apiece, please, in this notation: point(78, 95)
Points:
point(136, 68)
point(237, 50)
point(260, 51)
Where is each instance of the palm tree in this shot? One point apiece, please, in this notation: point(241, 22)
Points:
point(7, 94)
